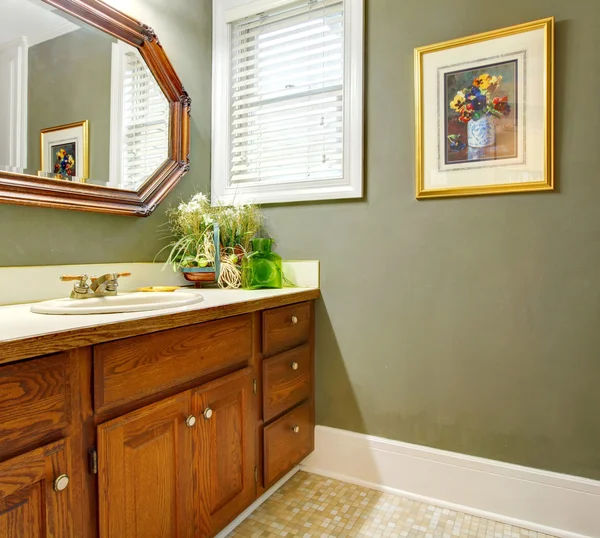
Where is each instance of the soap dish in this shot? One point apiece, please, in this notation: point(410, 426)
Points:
point(159, 288)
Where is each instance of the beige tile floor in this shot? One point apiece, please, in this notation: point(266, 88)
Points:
point(311, 506)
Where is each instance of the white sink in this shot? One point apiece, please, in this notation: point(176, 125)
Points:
point(126, 302)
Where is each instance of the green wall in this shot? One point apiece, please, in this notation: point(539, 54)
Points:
point(69, 81)
point(466, 324)
point(36, 236)
point(471, 324)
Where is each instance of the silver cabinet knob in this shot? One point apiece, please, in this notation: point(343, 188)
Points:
point(208, 412)
point(294, 320)
point(61, 483)
point(190, 421)
point(294, 365)
point(296, 428)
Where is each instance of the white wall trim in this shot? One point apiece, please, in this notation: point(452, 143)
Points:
point(555, 504)
point(14, 58)
point(351, 184)
point(238, 520)
point(59, 28)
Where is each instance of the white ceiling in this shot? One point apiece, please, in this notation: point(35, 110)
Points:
point(33, 19)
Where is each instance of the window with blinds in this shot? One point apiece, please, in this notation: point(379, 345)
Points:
point(287, 94)
point(140, 120)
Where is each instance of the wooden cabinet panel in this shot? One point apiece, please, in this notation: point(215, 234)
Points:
point(145, 473)
point(35, 402)
point(286, 327)
point(128, 370)
point(225, 449)
point(287, 441)
point(29, 505)
point(286, 381)
point(160, 475)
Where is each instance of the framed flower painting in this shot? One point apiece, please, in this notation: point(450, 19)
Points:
point(65, 152)
point(484, 113)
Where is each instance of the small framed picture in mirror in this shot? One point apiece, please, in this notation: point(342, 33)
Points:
point(65, 152)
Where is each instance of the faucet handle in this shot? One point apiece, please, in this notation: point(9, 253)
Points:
point(71, 278)
point(81, 288)
point(117, 275)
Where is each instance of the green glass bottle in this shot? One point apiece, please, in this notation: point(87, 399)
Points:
point(261, 268)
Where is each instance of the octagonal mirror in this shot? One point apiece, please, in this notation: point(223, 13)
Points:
point(92, 115)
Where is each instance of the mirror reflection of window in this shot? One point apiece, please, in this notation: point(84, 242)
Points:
point(75, 103)
point(139, 120)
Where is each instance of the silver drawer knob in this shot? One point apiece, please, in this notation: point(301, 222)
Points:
point(294, 320)
point(208, 412)
point(61, 483)
point(294, 365)
point(296, 428)
point(190, 421)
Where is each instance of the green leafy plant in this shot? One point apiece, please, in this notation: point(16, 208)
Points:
point(191, 226)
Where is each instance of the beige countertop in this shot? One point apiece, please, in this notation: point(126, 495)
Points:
point(24, 334)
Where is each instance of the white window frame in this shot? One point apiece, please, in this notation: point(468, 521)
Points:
point(115, 175)
point(351, 183)
point(14, 57)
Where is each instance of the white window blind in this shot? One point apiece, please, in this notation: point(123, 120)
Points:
point(145, 122)
point(287, 94)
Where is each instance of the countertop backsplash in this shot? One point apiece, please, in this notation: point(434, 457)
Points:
point(40, 283)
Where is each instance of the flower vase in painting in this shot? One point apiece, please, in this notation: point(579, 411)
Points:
point(64, 161)
point(481, 113)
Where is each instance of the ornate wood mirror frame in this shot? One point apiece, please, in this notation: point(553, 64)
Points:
point(25, 189)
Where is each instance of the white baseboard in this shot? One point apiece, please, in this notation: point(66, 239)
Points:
point(257, 503)
point(556, 504)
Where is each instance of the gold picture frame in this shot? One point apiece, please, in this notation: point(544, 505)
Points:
point(452, 158)
point(73, 140)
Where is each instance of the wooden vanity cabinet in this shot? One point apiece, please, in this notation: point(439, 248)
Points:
point(144, 480)
point(288, 417)
point(170, 434)
point(40, 425)
point(224, 449)
point(35, 500)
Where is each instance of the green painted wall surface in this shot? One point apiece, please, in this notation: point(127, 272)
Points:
point(465, 324)
point(35, 236)
point(471, 324)
point(69, 81)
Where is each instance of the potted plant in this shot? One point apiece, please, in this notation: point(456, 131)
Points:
point(209, 241)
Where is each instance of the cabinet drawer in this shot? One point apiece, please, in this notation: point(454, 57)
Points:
point(284, 447)
point(134, 368)
point(286, 327)
point(35, 402)
point(286, 381)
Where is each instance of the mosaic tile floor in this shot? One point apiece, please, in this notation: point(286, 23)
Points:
point(311, 506)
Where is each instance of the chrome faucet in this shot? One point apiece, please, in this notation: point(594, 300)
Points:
point(103, 286)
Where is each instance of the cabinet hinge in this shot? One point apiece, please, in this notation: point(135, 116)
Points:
point(254, 386)
point(256, 474)
point(93, 460)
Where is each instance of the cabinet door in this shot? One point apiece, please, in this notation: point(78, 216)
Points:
point(144, 472)
point(225, 449)
point(35, 497)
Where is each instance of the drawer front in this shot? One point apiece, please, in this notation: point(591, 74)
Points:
point(135, 368)
point(35, 402)
point(286, 381)
point(286, 327)
point(285, 447)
